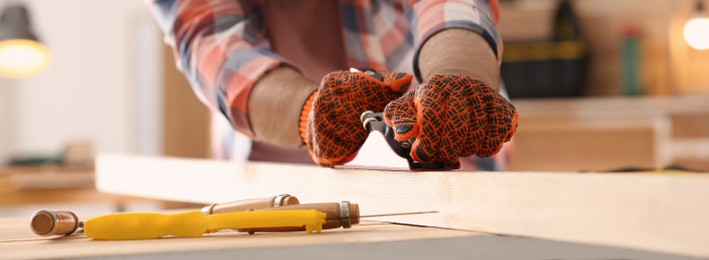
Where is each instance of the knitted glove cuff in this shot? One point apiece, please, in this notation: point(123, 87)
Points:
point(304, 114)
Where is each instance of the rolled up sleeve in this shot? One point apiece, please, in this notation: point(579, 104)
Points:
point(429, 17)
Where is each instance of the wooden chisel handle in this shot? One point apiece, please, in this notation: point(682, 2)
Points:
point(251, 204)
point(344, 214)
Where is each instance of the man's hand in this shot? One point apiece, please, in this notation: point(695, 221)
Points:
point(452, 116)
point(333, 131)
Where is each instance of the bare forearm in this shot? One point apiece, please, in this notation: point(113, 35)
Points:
point(275, 104)
point(459, 52)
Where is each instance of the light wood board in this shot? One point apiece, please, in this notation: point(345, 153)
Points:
point(661, 213)
point(369, 240)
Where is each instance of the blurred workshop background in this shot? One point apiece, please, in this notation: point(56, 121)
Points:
point(600, 85)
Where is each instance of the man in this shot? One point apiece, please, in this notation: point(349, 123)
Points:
point(277, 71)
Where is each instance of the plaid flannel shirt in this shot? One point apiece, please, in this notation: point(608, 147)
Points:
point(222, 48)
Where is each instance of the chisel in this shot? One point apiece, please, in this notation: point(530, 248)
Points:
point(251, 204)
point(49, 223)
point(343, 214)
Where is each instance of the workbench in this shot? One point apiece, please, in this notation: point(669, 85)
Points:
point(369, 240)
point(503, 215)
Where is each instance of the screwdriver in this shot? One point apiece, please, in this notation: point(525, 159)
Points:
point(119, 226)
point(48, 223)
point(126, 226)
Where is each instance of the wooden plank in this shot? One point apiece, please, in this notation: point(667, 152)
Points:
point(663, 213)
point(369, 240)
point(591, 143)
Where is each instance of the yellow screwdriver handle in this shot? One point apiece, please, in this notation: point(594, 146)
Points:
point(123, 226)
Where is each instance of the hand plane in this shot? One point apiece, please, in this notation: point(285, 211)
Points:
point(373, 152)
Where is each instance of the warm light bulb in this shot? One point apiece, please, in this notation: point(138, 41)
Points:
point(21, 58)
point(696, 33)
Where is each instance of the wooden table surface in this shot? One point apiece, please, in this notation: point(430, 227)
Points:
point(370, 240)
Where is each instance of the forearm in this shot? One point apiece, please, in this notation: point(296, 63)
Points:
point(459, 52)
point(275, 104)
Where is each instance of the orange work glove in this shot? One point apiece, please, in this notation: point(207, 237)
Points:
point(330, 120)
point(452, 116)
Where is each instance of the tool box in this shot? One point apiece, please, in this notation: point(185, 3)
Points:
point(552, 68)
